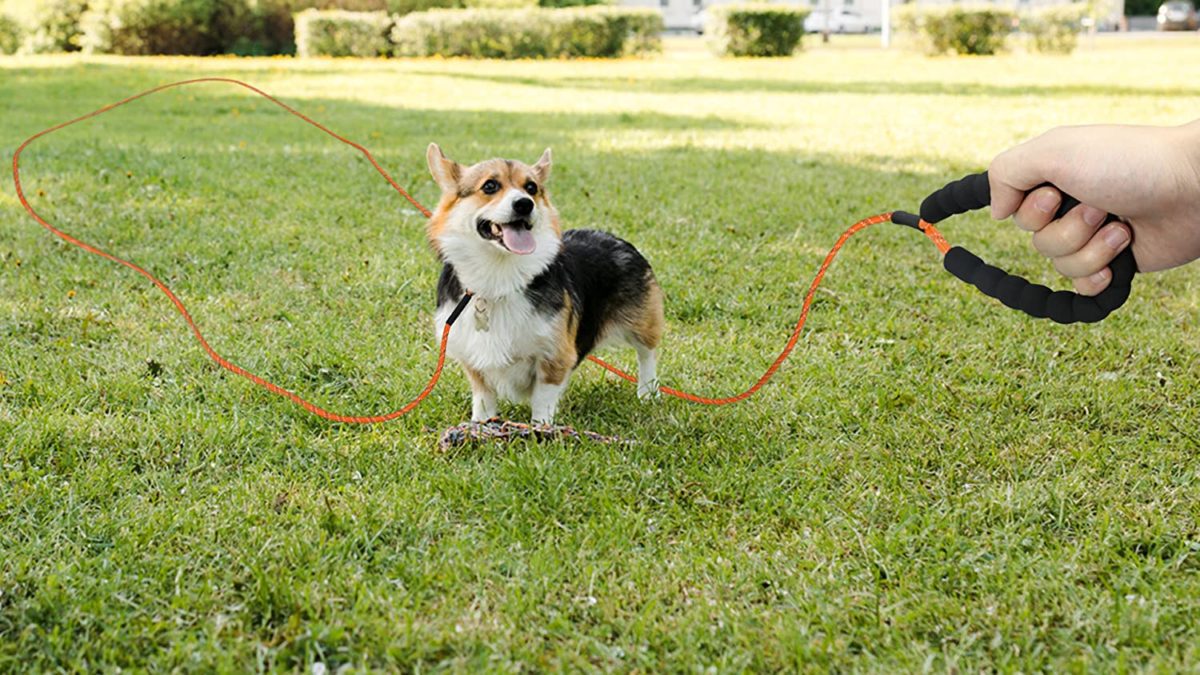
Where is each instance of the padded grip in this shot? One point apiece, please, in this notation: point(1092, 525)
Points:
point(965, 194)
point(1039, 301)
point(973, 192)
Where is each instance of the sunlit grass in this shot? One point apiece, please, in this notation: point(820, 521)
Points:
point(932, 480)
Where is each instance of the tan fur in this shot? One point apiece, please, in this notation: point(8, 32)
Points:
point(555, 367)
point(550, 361)
point(477, 381)
point(437, 222)
point(460, 183)
point(648, 322)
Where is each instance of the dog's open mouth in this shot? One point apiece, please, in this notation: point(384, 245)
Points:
point(516, 236)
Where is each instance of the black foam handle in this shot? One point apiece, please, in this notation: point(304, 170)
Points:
point(972, 192)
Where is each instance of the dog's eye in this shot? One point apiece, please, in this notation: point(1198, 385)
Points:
point(531, 187)
point(490, 187)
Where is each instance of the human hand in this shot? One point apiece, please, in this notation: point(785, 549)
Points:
point(1149, 176)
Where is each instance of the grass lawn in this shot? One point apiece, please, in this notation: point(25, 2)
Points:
point(932, 481)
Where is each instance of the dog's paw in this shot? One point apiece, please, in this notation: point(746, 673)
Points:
point(649, 391)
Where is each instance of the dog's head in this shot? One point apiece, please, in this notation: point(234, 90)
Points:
point(496, 212)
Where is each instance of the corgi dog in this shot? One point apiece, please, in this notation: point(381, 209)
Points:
point(542, 299)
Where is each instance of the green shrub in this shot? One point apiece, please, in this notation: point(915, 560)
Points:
point(342, 33)
point(756, 29)
point(1141, 7)
point(591, 32)
point(56, 27)
point(272, 27)
point(196, 27)
point(10, 35)
point(645, 32)
point(571, 3)
point(1055, 29)
point(964, 29)
point(499, 4)
point(402, 7)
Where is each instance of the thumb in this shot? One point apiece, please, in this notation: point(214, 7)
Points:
point(1012, 174)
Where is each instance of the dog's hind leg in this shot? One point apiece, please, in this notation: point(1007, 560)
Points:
point(647, 386)
point(645, 333)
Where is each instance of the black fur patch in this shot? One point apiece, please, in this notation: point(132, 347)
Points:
point(605, 277)
point(449, 290)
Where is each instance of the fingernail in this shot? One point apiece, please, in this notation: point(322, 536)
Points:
point(1099, 277)
point(1046, 201)
point(1093, 216)
point(1116, 237)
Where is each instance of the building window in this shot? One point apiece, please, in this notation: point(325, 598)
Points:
point(663, 3)
point(698, 3)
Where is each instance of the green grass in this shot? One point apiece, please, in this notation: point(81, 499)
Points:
point(932, 481)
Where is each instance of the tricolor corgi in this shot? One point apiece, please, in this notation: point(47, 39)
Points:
point(542, 299)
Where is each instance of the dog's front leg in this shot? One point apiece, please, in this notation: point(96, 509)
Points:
point(483, 397)
point(544, 400)
point(552, 376)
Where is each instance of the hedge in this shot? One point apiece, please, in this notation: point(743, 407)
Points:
point(56, 27)
point(272, 28)
point(1141, 7)
point(756, 29)
point(964, 29)
point(10, 35)
point(1055, 29)
point(192, 27)
point(245, 27)
point(596, 32)
point(340, 33)
point(263, 27)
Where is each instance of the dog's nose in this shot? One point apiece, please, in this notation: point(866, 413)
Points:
point(523, 206)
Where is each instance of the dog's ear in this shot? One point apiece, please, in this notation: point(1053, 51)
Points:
point(542, 168)
point(446, 172)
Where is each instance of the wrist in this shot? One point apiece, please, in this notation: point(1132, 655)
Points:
point(1188, 145)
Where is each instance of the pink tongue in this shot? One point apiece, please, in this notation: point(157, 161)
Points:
point(518, 239)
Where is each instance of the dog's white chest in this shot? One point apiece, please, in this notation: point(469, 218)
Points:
point(496, 335)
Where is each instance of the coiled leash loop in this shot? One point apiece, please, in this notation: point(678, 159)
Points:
point(957, 197)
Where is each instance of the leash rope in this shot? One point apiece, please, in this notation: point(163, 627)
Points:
point(898, 217)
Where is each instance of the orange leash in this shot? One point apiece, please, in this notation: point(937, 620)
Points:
point(929, 230)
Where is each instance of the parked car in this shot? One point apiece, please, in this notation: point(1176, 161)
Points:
point(841, 21)
point(699, 20)
point(1178, 15)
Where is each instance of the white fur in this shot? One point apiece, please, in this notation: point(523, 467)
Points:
point(647, 376)
point(506, 345)
point(486, 267)
point(506, 354)
point(544, 400)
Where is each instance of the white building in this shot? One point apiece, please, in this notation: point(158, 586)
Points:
point(681, 14)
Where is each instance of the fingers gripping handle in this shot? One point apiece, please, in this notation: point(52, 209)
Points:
point(973, 192)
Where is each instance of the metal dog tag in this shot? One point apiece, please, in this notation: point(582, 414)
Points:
point(481, 314)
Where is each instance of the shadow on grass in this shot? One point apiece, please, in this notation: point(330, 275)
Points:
point(711, 85)
point(707, 218)
point(53, 95)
